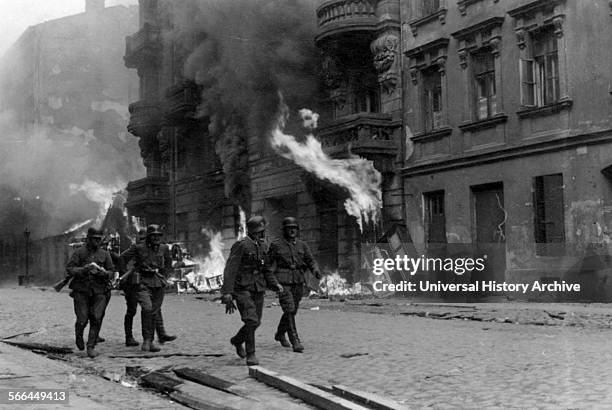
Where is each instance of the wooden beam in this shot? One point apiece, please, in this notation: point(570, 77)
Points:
point(367, 399)
point(209, 380)
point(40, 346)
point(303, 391)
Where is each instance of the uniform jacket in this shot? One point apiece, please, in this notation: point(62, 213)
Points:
point(153, 266)
point(84, 281)
point(290, 260)
point(247, 268)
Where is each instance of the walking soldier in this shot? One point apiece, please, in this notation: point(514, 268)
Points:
point(245, 279)
point(91, 269)
point(152, 262)
point(291, 258)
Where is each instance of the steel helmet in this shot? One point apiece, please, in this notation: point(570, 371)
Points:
point(256, 224)
point(290, 222)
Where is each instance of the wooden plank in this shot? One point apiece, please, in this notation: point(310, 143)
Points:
point(303, 391)
point(368, 399)
point(40, 346)
point(209, 380)
point(199, 397)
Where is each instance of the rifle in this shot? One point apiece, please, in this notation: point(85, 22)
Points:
point(60, 285)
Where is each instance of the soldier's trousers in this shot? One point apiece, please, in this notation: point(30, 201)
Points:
point(89, 307)
point(150, 300)
point(250, 306)
point(289, 301)
point(131, 301)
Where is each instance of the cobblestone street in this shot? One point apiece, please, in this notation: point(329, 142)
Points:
point(417, 361)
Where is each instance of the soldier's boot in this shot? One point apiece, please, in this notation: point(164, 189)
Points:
point(91, 352)
point(293, 336)
point(149, 346)
point(161, 331)
point(239, 348)
point(251, 359)
point(100, 339)
point(280, 332)
point(78, 335)
point(127, 326)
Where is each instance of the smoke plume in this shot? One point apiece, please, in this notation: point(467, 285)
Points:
point(246, 51)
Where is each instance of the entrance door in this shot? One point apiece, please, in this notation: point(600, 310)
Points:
point(490, 230)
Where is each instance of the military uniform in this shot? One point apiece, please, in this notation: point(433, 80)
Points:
point(151, 265)
point(89, 291)
point(291, 258)
point(246, 277)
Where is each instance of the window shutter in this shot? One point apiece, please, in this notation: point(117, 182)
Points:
point(527, 82)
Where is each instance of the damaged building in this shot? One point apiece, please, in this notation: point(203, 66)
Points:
point(488, 121)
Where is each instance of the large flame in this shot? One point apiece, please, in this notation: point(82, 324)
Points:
point(101, 194)
point(77, 226)
point(243, 229)
point(334, 284)
point(209, 276)
point(356, 174)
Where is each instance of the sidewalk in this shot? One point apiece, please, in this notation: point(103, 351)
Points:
point(21, 369)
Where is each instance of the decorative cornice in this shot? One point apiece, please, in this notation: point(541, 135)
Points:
point(482, 34)
point(427, 47)
point(432, 135)
point(530, 112)
point(490, 122)
point(483, 26)
point(508, 153)
point(463, 5)
point(532, 8)
point(439, 15)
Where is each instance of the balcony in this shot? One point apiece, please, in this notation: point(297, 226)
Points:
point(370, 135)
point(145, 118)
point(148, 196)
point(143, 48)
point(337, 17)
point(182, 101)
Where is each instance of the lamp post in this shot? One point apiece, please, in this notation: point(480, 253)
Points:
point(26, 233)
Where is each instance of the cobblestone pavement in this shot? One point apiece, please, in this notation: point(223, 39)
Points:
point(414, 360)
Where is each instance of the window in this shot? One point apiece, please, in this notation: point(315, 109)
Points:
point(540, 70)
point(366, 100)
point(429, 7)
point(432, 99)
point(548, 208)
point(485, 98)
point(435, 219)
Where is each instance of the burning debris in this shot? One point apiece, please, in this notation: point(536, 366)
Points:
point(357, 175)
point(336, 285)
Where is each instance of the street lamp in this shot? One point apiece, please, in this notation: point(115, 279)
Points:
point(26, 233)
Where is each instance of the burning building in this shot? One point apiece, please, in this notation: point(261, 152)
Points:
point(221, 83)
point(484, 124)
point(65, 148)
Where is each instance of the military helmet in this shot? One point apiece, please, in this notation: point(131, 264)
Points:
point(95, 233)
point(290, 222)
point(153, 230)
point(256, 224)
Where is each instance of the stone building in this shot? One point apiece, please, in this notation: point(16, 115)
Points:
point(63, 78)
point(489, 121)
point(509, 107)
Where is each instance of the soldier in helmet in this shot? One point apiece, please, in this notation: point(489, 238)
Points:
point(291, 258)
point(92, 269)
point(152, 262)
point(129, 284)
point(245, 279)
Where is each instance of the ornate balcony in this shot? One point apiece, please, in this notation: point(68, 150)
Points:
point(182, 101)
point(143, 48)
point(145, 118)
point(148, 196)
point(371, 135)
point(345, 16)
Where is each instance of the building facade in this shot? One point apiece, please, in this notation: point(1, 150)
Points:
point(509, 107)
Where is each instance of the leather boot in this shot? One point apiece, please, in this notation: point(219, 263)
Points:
point(100, 339)
point(91, 352)
point(78, 336)
point(293, 336)
point(149, 346)
point(251, 359)
point(161, 331)
point(127, 327)
point(280, 332)
point(239, 348)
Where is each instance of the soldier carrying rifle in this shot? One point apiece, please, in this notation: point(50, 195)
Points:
point(91, 270)
point(152, 262)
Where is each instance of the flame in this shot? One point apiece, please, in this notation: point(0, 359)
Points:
point(334, 284)
point(209, 276)
point(77, 226)
point(101, 194)
point(243, 229)
point(356, 174)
